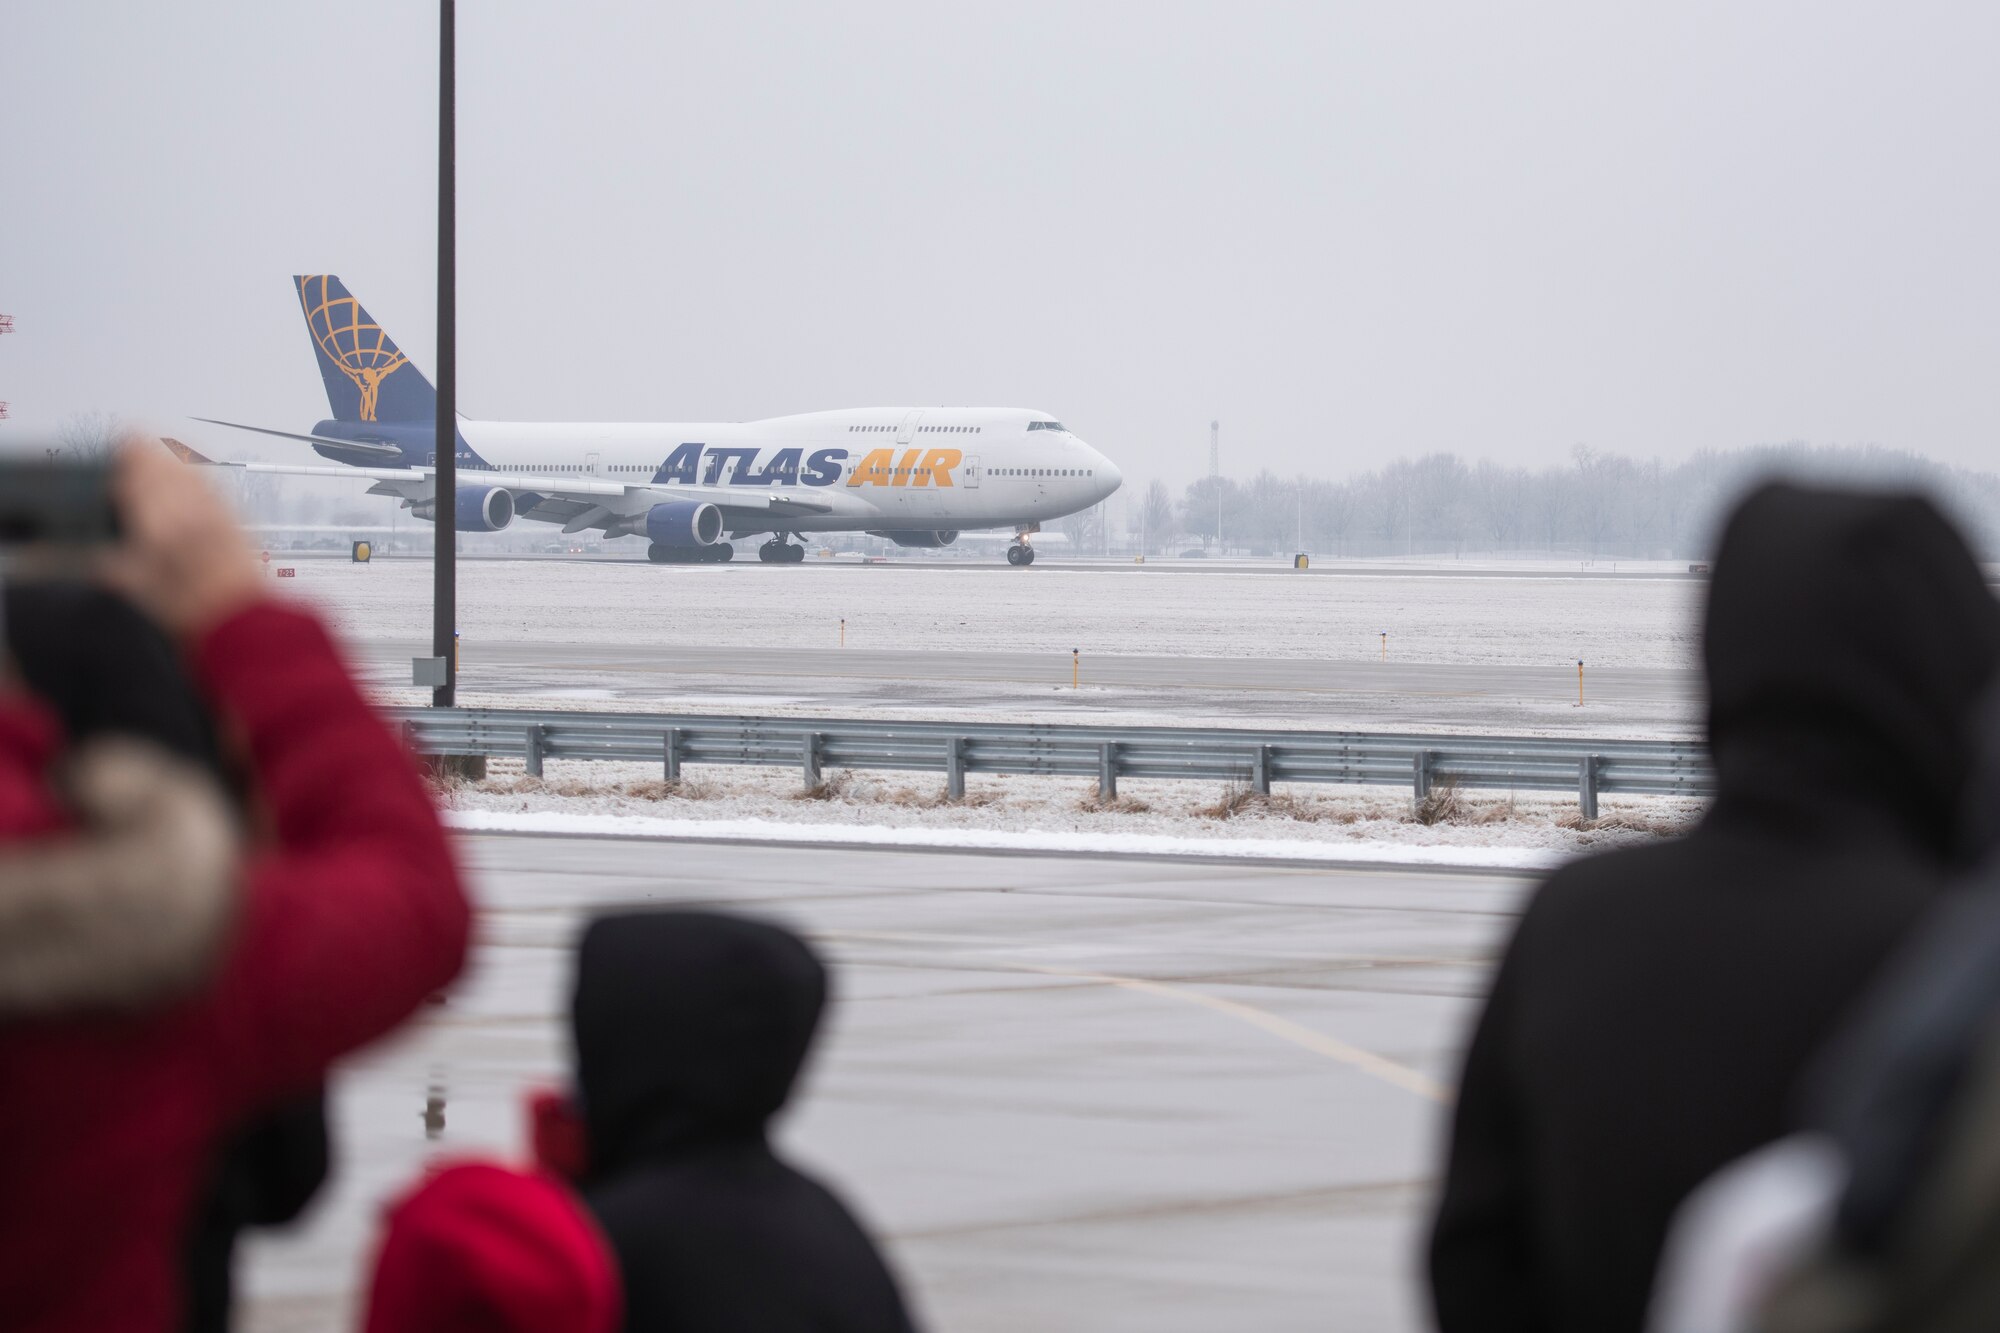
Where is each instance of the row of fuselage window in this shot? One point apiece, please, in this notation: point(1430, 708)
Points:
point(573, 471)
point(922, 430)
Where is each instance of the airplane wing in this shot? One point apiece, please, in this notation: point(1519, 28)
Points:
point(352, 446)
point(546, 499)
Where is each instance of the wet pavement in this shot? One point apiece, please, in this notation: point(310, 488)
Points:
point(1007, 686)
point(1071, 1093)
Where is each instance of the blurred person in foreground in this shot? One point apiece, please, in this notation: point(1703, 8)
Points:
point(690, 1029)
point(1656, 1005)
point(195, 1000)
point(115, 684)
point(1881, 1214)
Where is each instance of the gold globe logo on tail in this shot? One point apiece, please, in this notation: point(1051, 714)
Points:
point(350, 340)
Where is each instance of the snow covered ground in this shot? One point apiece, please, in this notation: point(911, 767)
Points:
point(1538, 618)
point(1029, 814)
point(1230, 611)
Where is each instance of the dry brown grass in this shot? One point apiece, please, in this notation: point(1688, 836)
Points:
point(1442, 804)
point(649, 789)
point(1663, 825)
point(1311, 809)
point(833, 787)
point(1232, 802)
point(1094, 804)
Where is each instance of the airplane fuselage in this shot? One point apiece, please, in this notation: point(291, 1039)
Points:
point(877, 469)
point(916, 475)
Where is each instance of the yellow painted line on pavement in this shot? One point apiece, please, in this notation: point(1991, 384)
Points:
point(1298, 1034)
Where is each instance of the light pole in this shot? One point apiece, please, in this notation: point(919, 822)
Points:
point(444, 451)
point(1215, 476)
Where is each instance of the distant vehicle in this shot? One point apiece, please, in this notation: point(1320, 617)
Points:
point(1194, 553)
point(913, 475)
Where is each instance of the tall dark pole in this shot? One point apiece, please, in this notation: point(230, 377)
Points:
point(444, 565)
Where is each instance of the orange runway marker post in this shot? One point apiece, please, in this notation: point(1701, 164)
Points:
point(1076, 668)
point(843, 631)
point(1579, 682)
point(1385, 645)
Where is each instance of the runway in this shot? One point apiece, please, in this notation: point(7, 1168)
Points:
point(1397, 651)
point(1012, 685)
point(1071, 1093)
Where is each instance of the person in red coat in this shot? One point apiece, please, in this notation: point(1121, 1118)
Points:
point(347, 913)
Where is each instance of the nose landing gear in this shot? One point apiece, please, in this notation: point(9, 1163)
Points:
point(1020, 553)
point(780, 551)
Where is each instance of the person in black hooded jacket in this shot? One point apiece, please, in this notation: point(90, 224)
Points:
point(1656, 1005)
point(690, 1028)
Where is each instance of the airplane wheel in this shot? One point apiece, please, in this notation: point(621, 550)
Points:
point(772, 553)
point(1014, 555)
point(795, 555)
point(721, 553)
point(1027, 555)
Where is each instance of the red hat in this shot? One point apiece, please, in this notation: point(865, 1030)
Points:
point(482, 1248)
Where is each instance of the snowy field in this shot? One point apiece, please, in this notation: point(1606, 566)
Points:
point(1533, 619)
point(1058, 815)
point(582, 628)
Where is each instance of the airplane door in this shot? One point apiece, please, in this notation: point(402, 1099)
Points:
point(971, 473)
point(908, 428)
point(590, 463)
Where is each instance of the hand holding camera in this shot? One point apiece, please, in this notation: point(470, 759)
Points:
point(183, 558)
point(145, 524)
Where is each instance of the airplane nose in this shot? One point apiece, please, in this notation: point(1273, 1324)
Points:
point(1108, 475)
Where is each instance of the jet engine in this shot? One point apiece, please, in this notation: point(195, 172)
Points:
point(927, 540)
point(479, 508)
point(684, 523)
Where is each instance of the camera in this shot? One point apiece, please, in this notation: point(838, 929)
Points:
point(56, 503)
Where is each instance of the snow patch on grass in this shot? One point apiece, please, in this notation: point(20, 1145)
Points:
point(1054, 814)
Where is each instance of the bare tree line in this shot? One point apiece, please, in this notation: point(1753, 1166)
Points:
point(1598, 505)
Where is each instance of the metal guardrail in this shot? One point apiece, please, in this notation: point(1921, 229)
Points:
point(1255, 759)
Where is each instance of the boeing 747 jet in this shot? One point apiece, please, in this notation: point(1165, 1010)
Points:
point(915, 475)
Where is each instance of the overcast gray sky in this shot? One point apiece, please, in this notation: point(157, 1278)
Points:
point(1349, 231)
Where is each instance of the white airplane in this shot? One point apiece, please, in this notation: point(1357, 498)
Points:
point(915, 475)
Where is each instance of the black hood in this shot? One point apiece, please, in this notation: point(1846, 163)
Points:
point(1849, 639)
point(690, 1028)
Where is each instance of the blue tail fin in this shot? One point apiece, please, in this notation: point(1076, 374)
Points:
point(367, 376)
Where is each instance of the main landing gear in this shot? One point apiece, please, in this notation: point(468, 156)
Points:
point(1020, 553)
point(720, 553)
point(780, 551)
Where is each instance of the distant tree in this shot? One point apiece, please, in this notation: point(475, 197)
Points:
point(1212, 509)
point(1395, 498)
point(1551, 493)
point(1331, 512)
point(1606, 504)
point(1443, 501)
point(1500, 493)
point(1156, 518)
point(1085, 530)
point(88, 437)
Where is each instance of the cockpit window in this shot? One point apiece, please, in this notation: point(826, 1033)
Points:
point(1045, 425)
